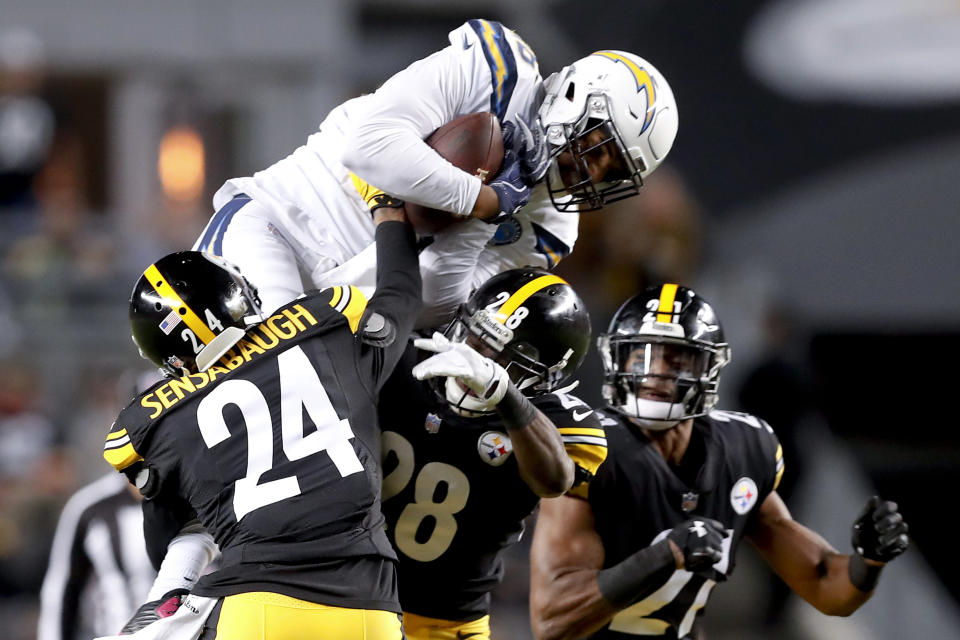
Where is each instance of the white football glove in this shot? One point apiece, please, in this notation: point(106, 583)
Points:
point(458, 360)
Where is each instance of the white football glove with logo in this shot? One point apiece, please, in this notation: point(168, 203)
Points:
point(457, 360)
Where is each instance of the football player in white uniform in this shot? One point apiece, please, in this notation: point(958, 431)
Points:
point(605, 122)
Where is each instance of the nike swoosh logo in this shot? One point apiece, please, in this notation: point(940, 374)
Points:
point(580, 416)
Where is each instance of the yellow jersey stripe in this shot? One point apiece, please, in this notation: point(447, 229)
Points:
point(521, 295)
point(776, 482)
point(779, 453)
point(167, 292)
point(116, 434)
point(122, 457)
point(335, 298)
point(668, 294)
point(582, 431)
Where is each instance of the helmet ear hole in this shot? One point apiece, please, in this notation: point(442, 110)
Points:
point(571, 91)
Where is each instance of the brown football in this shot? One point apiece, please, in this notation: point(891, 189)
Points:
point(473, 143)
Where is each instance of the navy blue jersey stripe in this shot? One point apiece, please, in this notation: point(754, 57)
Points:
point(503, 66)
point(552, 247)
point(213, 234)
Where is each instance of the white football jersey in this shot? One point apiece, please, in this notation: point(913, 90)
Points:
point(312, 198)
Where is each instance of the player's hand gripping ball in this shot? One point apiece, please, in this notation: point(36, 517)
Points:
point(473, 143)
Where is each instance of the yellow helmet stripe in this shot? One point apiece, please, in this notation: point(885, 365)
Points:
point(163, 288)
point(520, 296)
point(644, 81)
point(668, 294)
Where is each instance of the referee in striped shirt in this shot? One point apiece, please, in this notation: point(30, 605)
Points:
point(99, 571)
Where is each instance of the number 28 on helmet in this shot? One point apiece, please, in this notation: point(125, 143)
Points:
point(531, 322)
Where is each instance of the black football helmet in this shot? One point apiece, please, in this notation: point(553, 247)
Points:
point(531, 322)
point(662, 357)
point(188, 309)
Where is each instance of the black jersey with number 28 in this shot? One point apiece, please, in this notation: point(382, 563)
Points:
point(452, 492)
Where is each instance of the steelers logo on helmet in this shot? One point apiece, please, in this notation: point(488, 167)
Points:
point(662, 357)
point(743, 495)
point(610, 119)
point(529, 321)
point(494, 448)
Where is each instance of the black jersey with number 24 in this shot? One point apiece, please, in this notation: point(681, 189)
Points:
point(277, 450)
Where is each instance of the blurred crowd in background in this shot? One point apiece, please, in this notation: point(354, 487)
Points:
point(102, 170)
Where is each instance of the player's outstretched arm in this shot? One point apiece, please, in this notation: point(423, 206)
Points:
point(571, 595)
point(543, 461)
point(834, 583)
point(395, 304)
point(565, 558)
point(541, 458)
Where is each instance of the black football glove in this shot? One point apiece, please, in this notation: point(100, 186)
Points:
point(879, 532)
point(701, 542)
point(154, 610)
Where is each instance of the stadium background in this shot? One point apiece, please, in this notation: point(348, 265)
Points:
point(811, 196)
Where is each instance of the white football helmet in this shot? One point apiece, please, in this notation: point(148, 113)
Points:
point(630, 106)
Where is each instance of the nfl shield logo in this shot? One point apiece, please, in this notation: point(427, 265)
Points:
point(432, 423)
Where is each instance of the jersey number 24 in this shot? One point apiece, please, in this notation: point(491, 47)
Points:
point(300, 389)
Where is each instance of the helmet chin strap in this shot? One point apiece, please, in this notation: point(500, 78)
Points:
point(653, 414)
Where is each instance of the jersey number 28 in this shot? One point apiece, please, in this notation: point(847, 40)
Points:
point(430, 478)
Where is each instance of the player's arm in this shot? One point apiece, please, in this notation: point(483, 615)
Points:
point(544, 464)
point(565, 559)
point(386, 147)
point(571, 595)
point(834, 583)
point(541, 458)
point(178, 546)
point(388, 318)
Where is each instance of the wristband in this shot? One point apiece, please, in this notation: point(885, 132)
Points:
point(638, 575)
point(515, 409)
point(863, 576)
point(384, 200)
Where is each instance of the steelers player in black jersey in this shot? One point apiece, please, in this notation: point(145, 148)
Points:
point(469, 452)
point(682, 485)
point(266, 431)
